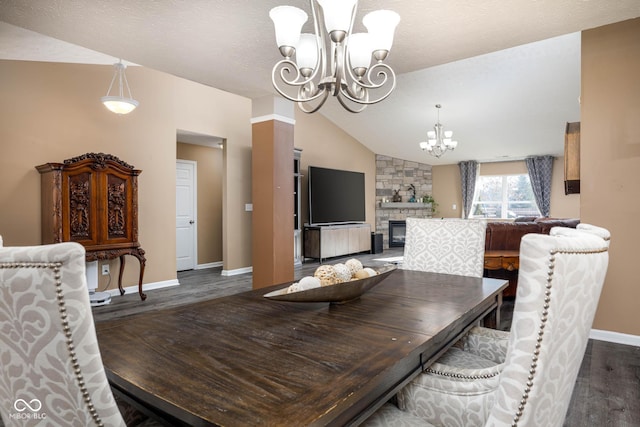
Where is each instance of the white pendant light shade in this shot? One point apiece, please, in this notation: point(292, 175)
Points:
point(381, 24)
point(307, 52)
point(360, 50)
point(337, 14)
point(288, 22)
point(119, 104)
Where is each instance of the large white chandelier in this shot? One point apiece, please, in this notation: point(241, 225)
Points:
point(439, 140)
point(333, 60)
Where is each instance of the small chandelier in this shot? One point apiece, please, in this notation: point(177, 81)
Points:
point(119, 104)
point(439, 140)
point(333, 60)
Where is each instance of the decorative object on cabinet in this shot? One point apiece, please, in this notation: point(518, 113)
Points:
point(92, 199)
point(572, 158)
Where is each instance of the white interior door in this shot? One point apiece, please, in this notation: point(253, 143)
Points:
point(186, 236)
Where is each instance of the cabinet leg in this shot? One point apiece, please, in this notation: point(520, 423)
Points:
point(143, 296)
point(121, 274)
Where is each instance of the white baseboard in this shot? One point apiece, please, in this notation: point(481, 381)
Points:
point(145, 287)
point(208, 265)
point(237, 271)
point(615, 337)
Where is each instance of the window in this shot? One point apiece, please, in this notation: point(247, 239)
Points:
point(504, 196)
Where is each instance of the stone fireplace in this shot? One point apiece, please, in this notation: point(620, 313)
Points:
point(397, 175)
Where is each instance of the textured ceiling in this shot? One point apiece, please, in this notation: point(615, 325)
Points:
point(500, 101)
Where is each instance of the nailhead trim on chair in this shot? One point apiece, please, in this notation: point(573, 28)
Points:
point(55, 266)
point(461, 376)
point(543, 322)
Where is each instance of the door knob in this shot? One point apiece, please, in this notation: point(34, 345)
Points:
point(191, 222)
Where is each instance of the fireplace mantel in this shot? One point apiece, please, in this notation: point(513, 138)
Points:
point(405, 205)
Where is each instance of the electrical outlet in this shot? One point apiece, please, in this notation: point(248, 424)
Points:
point(105, 269)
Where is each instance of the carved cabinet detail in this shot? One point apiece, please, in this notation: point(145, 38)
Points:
point(93, 200)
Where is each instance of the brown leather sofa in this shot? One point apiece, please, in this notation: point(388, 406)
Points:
point(502, 245)
point(507, 235)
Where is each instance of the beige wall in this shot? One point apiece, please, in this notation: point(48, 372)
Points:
point(446, 187)
point(209, 184)
point(51, 112)
point(325, 145)
point(610, 163)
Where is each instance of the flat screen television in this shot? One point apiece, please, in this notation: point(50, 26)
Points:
point(335, 196)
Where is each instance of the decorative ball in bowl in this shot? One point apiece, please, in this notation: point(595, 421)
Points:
point(334, 283)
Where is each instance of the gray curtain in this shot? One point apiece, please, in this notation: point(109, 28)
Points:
point(468, 175)
point(540, 169)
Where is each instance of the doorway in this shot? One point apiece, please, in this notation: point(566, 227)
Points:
point(186, 215)
point(206, 152)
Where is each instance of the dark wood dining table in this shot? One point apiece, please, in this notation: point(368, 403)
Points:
point(245, 360)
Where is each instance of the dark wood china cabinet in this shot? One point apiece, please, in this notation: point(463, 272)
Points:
point(92, 199)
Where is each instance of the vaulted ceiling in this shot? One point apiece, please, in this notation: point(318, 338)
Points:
point(507, 73)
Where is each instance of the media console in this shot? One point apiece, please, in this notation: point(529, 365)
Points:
point(327, 241)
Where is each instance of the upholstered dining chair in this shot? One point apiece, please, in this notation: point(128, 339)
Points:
point(492, 344)
point(559, 284)
point(52, 372)
point(450, 246)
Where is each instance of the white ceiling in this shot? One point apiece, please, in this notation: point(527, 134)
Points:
point(500, 100)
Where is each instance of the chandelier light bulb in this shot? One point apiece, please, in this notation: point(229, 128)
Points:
point(307, 54)
point(360, 53)
point(337, 15)
point(288, 22)
point(381, 24)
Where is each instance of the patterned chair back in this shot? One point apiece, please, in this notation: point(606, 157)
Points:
point(559, 284)
point(52, 372)
point(450, 246)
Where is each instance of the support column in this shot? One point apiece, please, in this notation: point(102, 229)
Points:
point(272, 192)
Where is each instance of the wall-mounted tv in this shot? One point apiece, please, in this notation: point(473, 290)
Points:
point(335, 196)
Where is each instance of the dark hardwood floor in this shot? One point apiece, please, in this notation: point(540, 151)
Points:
point(607, 392)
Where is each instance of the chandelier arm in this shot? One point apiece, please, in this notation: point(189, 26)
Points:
point(284, 66)
point(383, 73)
point(338, 67)
point(352, 96)
point(349, 107)
point(303, 104)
